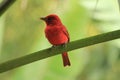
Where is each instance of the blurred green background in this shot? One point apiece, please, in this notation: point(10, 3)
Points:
point(22, 33)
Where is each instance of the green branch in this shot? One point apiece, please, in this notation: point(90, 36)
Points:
point(4, 5)
point(59, 49)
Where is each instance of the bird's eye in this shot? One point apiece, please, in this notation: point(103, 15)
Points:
point(49, 19)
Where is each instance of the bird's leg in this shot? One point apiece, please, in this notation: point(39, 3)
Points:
point(53, 46)
point(64, 45)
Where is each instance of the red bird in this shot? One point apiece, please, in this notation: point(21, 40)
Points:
point(57, 34)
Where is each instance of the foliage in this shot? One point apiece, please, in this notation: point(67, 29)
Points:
point(24, 33)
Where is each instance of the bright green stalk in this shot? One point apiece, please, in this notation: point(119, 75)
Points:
point(59, 49)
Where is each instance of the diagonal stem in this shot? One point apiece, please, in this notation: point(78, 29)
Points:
point(59, 49)
point(5, 4)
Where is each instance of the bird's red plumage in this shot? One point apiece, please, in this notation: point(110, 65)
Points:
point(57, 34)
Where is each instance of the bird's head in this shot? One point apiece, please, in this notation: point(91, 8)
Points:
point(52, 20)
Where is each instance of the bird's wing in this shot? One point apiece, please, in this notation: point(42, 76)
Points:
point(66, 32)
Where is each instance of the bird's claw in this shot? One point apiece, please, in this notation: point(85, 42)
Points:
point(53, 46)
point(64, 45)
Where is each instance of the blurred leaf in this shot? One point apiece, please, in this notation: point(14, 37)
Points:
point(24, 33)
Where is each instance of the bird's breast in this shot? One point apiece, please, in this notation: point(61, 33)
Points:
point(55, 35)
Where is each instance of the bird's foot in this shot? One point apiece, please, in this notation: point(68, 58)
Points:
point(53, 46)
point(64, 45)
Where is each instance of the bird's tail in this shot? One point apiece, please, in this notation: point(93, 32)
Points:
point(65, 58)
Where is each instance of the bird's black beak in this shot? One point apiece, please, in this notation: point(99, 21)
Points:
point(43, 18)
